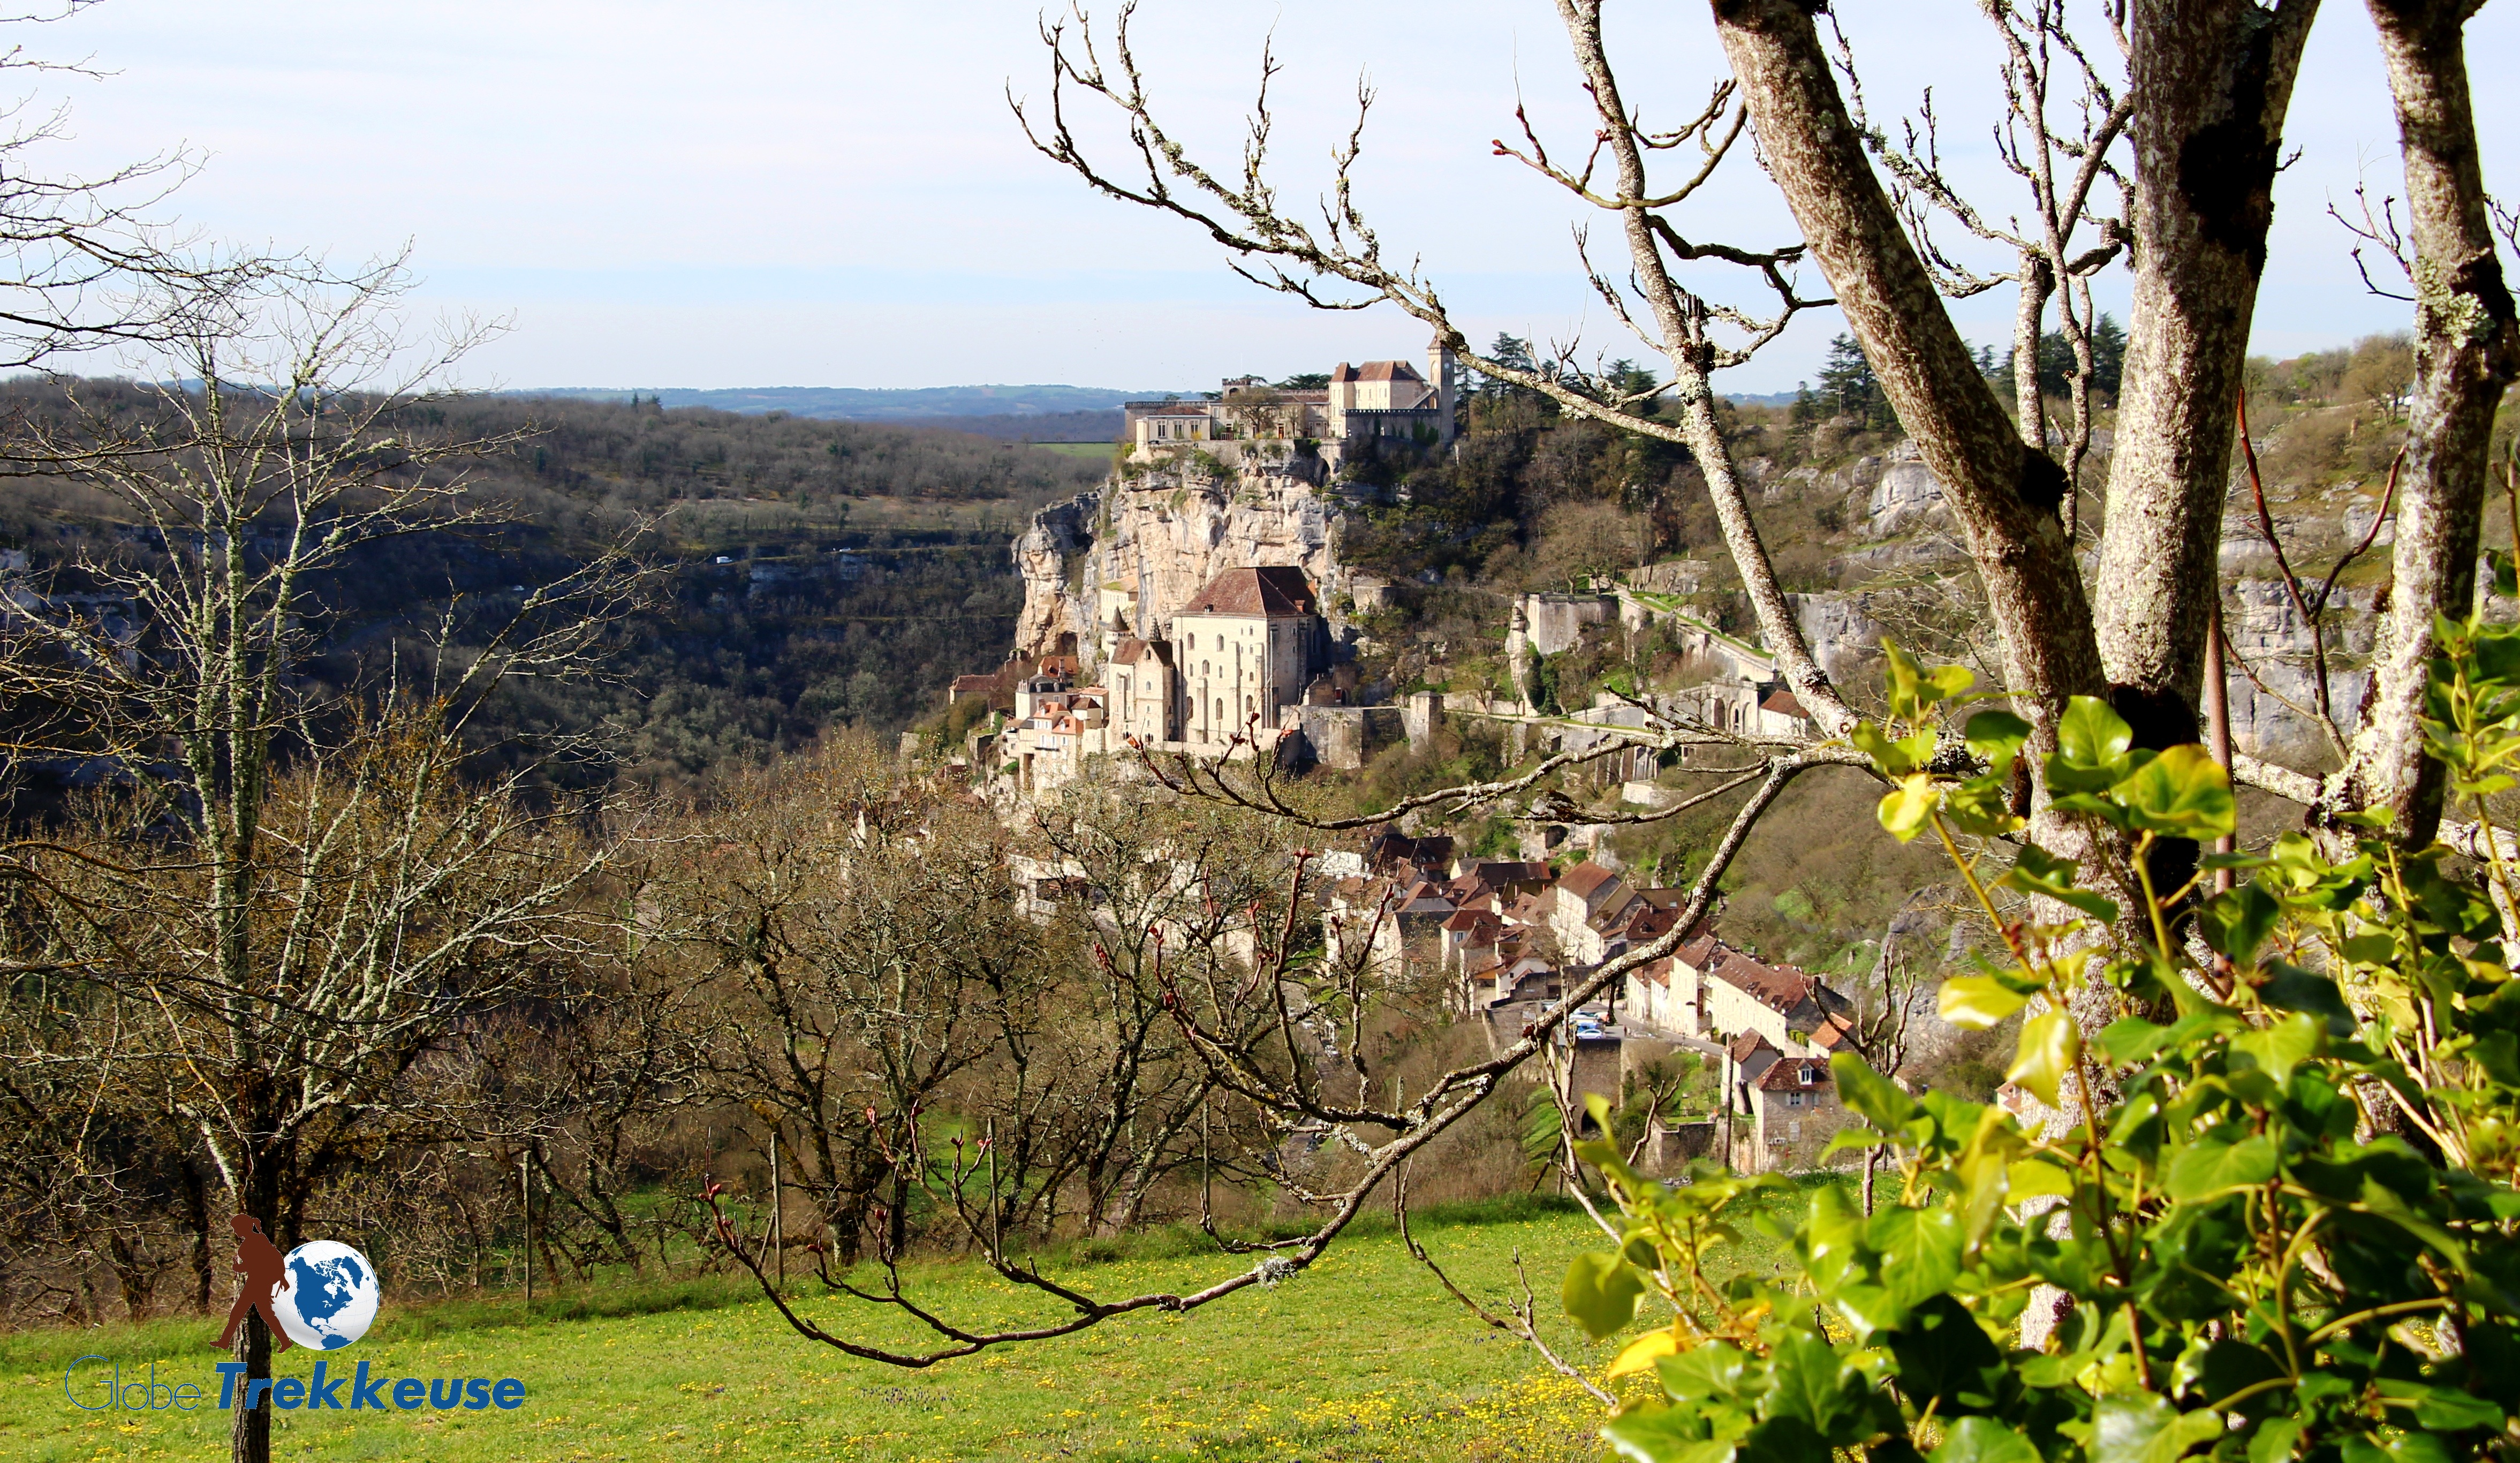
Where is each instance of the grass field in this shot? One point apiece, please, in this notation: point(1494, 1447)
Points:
point(1089, 451)
point(1360, 1358)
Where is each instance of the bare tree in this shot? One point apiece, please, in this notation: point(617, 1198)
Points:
point(312, 880)
point(2050, 263)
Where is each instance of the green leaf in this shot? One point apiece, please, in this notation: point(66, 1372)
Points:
point(1889, 757)
point(1653, 1434)
point(2235, 922)
point(2292, 988)
point(1973, 1003)
point(2049, 1043)
point(1919, 1249)
point(1808, 1383)
point(2143, 1429)
point(1982, 1439)
point(1869, 1093)
point(1996, 736)
point(2275, 1441)
point(2445, 1411)
point(2211, 1164)
point(2184, 793)
point(1600, 1292)
point(2091, 737)
point(1904, 809)
point(2036, 871)
point(2279, 1048)
point(1709, 1373)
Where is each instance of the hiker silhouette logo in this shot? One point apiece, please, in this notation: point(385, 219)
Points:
point(322, 1295)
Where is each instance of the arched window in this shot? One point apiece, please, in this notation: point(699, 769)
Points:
point(1220, 708)
point(1247, 708)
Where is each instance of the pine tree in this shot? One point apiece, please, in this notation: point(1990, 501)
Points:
point(1849, 388)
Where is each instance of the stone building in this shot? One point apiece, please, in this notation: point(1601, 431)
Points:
point(1373, 401)
point(1243, 648)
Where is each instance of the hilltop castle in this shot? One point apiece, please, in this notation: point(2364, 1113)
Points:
point(1374, 402)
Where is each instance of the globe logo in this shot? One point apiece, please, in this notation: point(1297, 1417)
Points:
point(330, 1296)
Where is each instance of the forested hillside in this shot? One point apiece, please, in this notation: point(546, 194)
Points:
point(864, 565)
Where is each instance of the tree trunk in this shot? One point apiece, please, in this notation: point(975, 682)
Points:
point(2466, 353)
point(2005, 496)
point(197, 1219)
point(2214, 78)
point(249, 1431)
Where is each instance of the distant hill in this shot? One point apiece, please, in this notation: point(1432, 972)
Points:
point(920, 405)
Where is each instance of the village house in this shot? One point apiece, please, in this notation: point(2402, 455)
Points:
point(1709, 989)
point(1785, 1107)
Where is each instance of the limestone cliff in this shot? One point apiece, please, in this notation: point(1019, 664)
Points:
point(1128, 555)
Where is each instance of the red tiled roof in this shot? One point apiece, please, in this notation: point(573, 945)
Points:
point(1783, 704)
point(975, 683)
point(1746, 1045)
point(1585, 879)
point(1277, 589)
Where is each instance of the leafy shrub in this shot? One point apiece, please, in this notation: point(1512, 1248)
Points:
point(2274, 1217)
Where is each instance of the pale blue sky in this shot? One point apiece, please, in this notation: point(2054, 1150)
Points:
point(783, 193)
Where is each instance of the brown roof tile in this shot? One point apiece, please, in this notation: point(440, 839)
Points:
point(1279, 589)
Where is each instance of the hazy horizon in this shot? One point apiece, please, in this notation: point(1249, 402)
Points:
point(787, 192)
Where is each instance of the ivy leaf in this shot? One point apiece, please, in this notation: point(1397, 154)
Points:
point(1919, 1249)
point(1809, 1384)
point(1904, 811)
point(1982, 1439)
point(2091, 742)
point(2279, 1048)
point(2212, 1165)
point(2037, 872)
point(1996, 736)
point(2292, 988)
point(1869, 1093)
point(2239, 920)
point(1974, 1003)
point(1600, 1292)
point(1708, 1373)
point(2049, 1043)
point(2184, 793)
point(2143, 1429)
point(1650, 1434)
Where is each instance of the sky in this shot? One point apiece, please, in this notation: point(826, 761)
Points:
point(752, 193)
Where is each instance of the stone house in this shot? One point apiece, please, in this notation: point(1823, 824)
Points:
point(1243, 648)
point(1709, 989)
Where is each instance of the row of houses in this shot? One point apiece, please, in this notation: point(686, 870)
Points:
point(1507, 939)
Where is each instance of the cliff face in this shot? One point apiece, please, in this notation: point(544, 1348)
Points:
point(1133, 553)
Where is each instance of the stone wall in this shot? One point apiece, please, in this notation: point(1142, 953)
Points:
point(1347, 738)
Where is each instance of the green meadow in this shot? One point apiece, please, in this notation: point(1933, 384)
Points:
point(1362, 1356)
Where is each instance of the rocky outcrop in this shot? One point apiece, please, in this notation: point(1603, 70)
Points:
point(1132, 554)
point(1050, 556)
point(1903, 494)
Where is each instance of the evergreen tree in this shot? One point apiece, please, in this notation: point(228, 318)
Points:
point(1849, 388)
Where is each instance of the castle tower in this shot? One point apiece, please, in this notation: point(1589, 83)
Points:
point(1443, 374)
